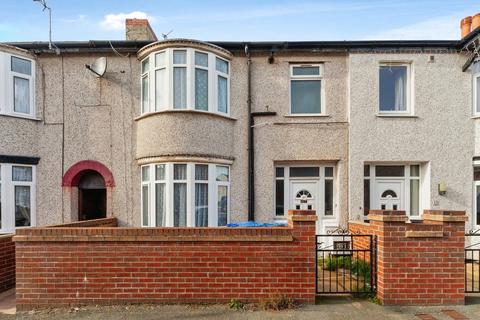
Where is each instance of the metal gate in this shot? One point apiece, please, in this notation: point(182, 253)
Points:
point(345, 263)
point(472, 261)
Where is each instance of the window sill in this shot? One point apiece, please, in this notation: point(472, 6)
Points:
point(390, 115)
point(475, 117)
point(18, 116)
point(207, 113)
point(310, 115)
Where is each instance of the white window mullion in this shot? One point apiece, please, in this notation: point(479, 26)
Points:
point(190, 79)
point(190, 195)
point(212, 197)
point(169, 195)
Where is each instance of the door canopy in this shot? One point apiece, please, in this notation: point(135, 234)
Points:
point(75, 173)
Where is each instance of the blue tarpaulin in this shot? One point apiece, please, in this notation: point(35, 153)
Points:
point(250, 224)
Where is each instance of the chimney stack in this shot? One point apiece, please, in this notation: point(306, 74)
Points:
point(139, 29)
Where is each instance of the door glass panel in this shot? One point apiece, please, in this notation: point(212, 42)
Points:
point(414, 197)
point(366, 196)
point(394, 207)
point(383, 207)
point(279, 196)
point(389, 171)
point(478, 205)
point(328, 197)
point(388, 193)
point(22, 206)
point(304, 172)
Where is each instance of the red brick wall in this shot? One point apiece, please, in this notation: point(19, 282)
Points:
point(419, 263)
point(73, 266)
point(7, 263)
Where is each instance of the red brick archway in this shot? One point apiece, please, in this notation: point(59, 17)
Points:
point(73, 175)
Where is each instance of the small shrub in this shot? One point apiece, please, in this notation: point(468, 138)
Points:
point(278, 302)
point(236, 304)
point(334, 263)
point(361, 268)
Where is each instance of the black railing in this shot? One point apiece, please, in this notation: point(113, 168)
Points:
point(345, 263)
point(472, 262)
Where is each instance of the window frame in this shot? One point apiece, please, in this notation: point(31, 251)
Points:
point(7, 203)
point(320, 78)
point(476, 113)
point(409, 90)
point(190, 182)
point(190, 66)
point(7, 86)
point(321, 188)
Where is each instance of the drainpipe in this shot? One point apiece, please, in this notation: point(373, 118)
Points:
point(251, 165)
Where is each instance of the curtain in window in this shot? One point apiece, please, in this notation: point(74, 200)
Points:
point(222, 205)
point(21, 173)
point(145, 94)
point(145, 205)
point(222, 94)
point(22, 206)
point(400, 94)
point(179, 204)
point(477, 83)
point(201, 89)
point(179, 88)
point(160, 204)
point(180, 172)
point(201, 205)
point(159, 86)
point(21, 95)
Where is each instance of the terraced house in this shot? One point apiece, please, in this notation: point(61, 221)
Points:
point(190, 133)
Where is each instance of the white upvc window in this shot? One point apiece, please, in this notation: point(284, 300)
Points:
point(185, 79)
point(17, 196)
point(395, 89)
point(307, 96)
point(17, 85)
point(185, 195)
point(476, 95)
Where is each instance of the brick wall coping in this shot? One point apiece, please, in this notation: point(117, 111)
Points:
point(357, 222)
point(6, 236)
point(423, 234)
point(60, 234)
point(104, 222)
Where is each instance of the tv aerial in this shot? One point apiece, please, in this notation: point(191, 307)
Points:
point(165, 35)
point(43, 3)
point(98, 67)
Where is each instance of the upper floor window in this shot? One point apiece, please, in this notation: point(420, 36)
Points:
point(476, 93)
point(306, 90)
point(185, 78)
point(185, 195)
point(17, 94)
point(17, 196)
point(394, 95)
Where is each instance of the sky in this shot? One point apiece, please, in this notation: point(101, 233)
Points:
point(239, 20)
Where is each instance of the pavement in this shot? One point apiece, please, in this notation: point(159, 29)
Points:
point(331, 309)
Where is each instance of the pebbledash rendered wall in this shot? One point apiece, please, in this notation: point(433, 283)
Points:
point(60, 266)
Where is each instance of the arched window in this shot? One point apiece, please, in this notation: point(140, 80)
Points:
point(389, 193)
point(303, 194)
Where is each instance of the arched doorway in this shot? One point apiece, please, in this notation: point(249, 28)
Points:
point(92, 196)
point(88, 186)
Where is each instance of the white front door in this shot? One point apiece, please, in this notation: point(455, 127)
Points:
point(304, 195)
point(389, 195)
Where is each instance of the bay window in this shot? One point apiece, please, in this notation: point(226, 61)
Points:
point(17, 94)
point(185, 79)
point(17, 196)
point(185, 195)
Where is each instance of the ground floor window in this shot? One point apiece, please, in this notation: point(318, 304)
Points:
point(304, 188)
point(476, 196)
point(17, 196)
point(392, 187)
point(185, 195)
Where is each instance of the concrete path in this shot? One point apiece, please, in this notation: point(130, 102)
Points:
point(7, 302)
point(331, 309)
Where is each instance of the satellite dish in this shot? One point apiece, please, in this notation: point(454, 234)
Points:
point(98, 67)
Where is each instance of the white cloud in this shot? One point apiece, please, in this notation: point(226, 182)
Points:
point(116, 21)
point(441, 28)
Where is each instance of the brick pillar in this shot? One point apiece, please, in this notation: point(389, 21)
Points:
point(304, 231)
point(420, 263)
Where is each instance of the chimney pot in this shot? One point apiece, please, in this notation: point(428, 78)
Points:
point(475, 21)
point(139, 29)
point(466, 26)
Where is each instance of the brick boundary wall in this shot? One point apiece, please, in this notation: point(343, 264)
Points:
point(97, 223)
point(77, 266)
point(418, 263)
point(7, 262)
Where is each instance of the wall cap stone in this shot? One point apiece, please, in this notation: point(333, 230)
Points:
point(423, 234)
